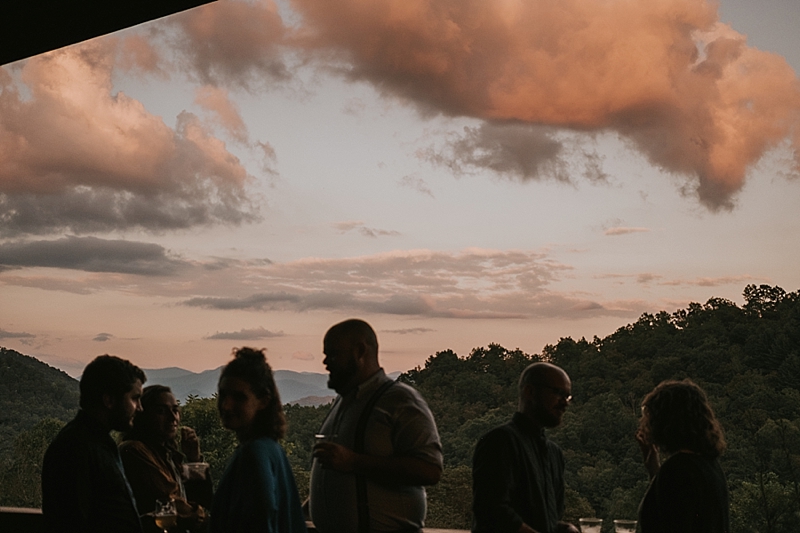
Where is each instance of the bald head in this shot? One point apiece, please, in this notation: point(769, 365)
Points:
point(351, 354)
point(354, 331)
point(545, 391)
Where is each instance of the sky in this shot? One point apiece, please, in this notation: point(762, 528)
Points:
point(455, 172)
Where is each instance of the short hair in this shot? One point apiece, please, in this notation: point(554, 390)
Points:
point(107, 374)
point(141, 428)
point(676, 416)
point(353, 329)
point(251, 366)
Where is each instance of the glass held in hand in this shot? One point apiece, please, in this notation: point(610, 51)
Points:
point(624, 526)
point(195, 471)
point(590, 525)
point(165, 514)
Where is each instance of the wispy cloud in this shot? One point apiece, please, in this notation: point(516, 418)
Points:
point(658, 279)
point(303, 356)
point(350, 225)
point(15, 335)
point(102, 337)
point(246, 335)
point(417, 184)
point(518, 151)
point(473, 283)
point(92, 254)
point(623, 230)
point(714, 281)
point(409, 331)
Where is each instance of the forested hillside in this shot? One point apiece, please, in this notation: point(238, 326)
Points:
point(29, 391)
point(747, 359)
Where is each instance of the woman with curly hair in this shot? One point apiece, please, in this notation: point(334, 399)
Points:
point(154, 464)
point(257, 492)
point(688, 492)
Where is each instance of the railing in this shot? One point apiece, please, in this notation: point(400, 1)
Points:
point(26, 520)
point(21, 520)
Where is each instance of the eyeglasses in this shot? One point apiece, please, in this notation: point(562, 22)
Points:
point(564, 395)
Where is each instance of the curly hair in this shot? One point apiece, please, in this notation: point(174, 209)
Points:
point(676, 416)
point(251, 365)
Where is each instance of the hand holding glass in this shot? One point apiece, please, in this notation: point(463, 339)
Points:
point(165, 514)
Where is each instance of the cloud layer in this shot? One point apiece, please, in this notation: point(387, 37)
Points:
point(91, 254)
point(246, 334)
point(76, 157)
point(682, 88)
point(469, 284)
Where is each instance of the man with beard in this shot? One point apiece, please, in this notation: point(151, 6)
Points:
point(377, 447)
point(517, 473)
point(84, 488)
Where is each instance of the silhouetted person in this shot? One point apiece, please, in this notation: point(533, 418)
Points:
point(154, 465)
point(688, 492)
point(517, 472)
point(380, 444)
point(84, 489)
point(257, 492)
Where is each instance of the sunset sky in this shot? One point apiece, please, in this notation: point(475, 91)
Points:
point(456, 172)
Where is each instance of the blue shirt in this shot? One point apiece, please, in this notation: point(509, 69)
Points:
point(257, 492)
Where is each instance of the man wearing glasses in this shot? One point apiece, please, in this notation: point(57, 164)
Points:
point(517, 473)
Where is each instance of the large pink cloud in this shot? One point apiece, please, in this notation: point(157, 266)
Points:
point(232, 42)
point(682, 88)
point(75, 155)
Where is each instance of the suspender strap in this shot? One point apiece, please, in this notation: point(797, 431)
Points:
point(358, 447)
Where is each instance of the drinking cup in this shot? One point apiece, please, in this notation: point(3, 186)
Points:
point(590, 525)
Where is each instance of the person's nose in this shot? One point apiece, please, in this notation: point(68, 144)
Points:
point(139, 408)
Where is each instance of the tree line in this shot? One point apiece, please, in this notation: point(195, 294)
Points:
point(747, 358)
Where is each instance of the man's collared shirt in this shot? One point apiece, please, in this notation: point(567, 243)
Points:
point(401, 424)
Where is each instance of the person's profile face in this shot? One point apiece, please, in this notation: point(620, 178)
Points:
point(551, 395)
point(165, 416)
point(125, 407)
point(340, 362)
point(238, 405)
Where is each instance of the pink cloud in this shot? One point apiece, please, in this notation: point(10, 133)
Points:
point(685, 90)
point(232, 42)
point(74, 155)
point(216, 100)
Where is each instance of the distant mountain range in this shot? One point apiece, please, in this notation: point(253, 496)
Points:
point(306, 388)
point(31, 390)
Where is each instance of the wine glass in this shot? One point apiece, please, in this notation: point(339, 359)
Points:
point(165, 514)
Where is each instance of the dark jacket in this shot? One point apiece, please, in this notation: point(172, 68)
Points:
point(84, 489)
point(689, 494)
point(517, 476)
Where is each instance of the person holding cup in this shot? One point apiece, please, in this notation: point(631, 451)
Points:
point(155, 467)
point(688, 492)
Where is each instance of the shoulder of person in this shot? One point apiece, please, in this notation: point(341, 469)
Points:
point(262, 447)
point(132, 446)
point(680, 469)
point(504, 434)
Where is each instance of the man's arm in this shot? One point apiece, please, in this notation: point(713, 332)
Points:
point(389, 470)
